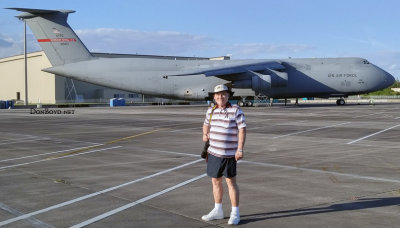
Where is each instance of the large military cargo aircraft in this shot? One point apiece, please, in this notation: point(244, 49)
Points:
point(193, 78)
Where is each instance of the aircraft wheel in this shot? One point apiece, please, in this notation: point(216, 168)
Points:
point(249, 103)
point(240, 103)
point(340, 102)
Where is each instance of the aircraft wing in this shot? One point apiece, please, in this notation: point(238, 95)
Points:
point(232, 68)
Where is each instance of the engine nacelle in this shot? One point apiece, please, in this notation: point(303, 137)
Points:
point(258, 82)
point(262, 82)
point(278, 79)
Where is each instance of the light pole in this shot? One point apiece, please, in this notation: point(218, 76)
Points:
point(26, 67)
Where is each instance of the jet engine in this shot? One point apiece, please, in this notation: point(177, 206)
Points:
point(262, 82)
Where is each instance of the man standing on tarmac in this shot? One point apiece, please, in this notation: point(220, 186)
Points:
point(225, 128)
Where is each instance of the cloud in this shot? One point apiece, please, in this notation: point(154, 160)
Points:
point(262, 50)
point(5, 43)
point(177, 43)
point(142, 42)
point(394, 67)
point(11, 46)
point(128, 41)
point(387, 60)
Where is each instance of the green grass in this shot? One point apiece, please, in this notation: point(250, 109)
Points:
point(386, 92)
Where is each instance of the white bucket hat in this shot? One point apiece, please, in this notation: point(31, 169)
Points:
point(221, 88)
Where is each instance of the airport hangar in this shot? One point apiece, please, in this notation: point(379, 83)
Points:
point(48, 88)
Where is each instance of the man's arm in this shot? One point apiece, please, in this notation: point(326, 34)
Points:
point(206, 133)
point(241, 140)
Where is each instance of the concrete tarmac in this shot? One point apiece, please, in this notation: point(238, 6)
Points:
point(304, 166)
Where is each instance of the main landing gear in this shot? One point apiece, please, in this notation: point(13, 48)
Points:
point(244, 103)
point(340, 101)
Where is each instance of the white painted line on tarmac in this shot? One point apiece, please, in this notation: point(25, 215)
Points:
point(33, 136)
point(273, 125)
point(8, 133)
point(325, 172)
point(49, 159)
point(186, 129)
point(28, 140)
point(172, 152)
point(2, 142)
point(387, 129)
point(373, 114)
point(303, 169)
point(129, 205)
point(298, 168)
point(72, 141)
point(55, 152)
point(94, 194)
point(31, 221)
point(315, 129)
point(397, 118)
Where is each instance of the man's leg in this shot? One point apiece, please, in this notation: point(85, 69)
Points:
point(233, 188)
point(233, 191)
point(217, 189)
point(217, 212)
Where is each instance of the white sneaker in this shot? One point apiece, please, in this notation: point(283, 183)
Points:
point(213, 215)
point(234, 219)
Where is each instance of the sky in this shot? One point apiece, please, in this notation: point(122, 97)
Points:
point(251, 29)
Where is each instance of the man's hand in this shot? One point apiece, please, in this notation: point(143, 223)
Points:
point(205, 137)
point(238, 155)
point(206, 132)
point(241, 139)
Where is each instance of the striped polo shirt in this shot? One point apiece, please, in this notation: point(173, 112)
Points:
point(225, 125)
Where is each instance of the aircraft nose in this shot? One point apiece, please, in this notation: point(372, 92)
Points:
point(384, 79)
point(388, 79)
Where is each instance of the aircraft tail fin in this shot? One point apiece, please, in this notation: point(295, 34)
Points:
point(55, 36)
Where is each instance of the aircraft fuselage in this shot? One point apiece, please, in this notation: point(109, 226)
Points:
point(319, 77)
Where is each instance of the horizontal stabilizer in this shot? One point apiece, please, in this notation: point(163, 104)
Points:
point(40, 11)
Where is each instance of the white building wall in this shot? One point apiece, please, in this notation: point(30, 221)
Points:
point(44, 87)
point(41, 85)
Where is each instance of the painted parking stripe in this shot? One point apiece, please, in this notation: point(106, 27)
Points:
point(55, 152)
point(27, 140)
point(387, 129)
point(2, 142)
point(299, 168)
point(186, 129)
point(315, 129)
point(31, 221)
point(325, 172)
point(172, 152)
point(373, 114)
point(129, 205)
point(94, 194)
point(50, 159)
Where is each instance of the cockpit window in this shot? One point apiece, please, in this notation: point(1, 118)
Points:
point(365, 61)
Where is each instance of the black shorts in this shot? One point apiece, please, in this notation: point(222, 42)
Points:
point(216, 167)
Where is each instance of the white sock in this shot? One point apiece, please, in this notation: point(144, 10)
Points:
point(218, 206)
point(235, 210)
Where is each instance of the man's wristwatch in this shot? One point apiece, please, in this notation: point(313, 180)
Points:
point(240, 150)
